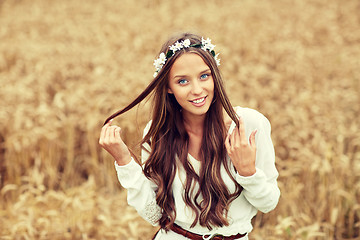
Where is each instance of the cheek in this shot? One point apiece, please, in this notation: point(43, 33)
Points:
point(211, 86)
point(180, 97)
point(179, 94)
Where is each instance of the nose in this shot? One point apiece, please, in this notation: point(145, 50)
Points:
point(196, 87)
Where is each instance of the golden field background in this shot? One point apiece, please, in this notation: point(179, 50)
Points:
point(66, 65)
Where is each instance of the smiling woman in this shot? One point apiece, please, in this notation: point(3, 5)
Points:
point(203, 174)
point(191, 82)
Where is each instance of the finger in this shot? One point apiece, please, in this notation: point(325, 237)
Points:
point(117, 133)
point(111, 129)
point(252, 138)
point(105, 127)
point(237, 135)
point(242, 130)
point(103, 132)
point(233, 138)
point(110, 133)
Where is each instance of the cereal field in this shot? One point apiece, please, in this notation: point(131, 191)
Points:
point(66, 65)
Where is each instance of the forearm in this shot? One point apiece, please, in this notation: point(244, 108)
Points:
point(261, 192)
point(141, 194)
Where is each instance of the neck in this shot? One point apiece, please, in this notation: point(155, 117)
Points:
point(194, 124)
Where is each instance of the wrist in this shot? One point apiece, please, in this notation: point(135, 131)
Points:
point(123, 160)
point(246, 172)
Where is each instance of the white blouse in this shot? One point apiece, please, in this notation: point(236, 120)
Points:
point(260, 191)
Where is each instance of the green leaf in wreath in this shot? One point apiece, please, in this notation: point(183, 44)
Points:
point(169, 54)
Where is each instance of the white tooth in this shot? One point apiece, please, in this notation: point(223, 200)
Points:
point(199, 100)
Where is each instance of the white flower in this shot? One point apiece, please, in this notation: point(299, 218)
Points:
point(207, 41)
point(176, 46)
point(211, 47)
point(186, 43)
point(155, 74)
point(162, 58)
point(158, 63)
point(173, 48)
point(206, 44)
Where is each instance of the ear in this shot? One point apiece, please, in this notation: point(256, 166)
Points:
point(170, 91)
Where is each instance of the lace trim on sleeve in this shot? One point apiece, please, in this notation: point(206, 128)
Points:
point(152, 212)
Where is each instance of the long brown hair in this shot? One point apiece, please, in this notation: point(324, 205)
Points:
point(169, 141)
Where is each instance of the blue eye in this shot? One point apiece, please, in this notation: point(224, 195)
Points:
point(204, 76)
point(182, 81)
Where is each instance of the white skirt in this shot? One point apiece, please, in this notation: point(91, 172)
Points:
point(170, 235)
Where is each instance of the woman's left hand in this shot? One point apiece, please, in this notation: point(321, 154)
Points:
point(241, 153)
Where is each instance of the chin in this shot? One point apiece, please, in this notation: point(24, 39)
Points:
point(201, 111)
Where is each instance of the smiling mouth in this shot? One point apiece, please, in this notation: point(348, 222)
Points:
point(199, 100)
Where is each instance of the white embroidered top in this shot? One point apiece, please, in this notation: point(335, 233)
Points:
point(260, 191)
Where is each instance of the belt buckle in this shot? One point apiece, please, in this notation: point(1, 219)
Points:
point(214, 236)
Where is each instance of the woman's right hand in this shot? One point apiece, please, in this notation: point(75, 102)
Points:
point(111, 141)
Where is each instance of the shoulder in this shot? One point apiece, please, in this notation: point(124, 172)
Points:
point(147, 128)
point(248, 112)
point(251, 117)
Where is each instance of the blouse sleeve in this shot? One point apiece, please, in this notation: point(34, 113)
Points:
point(140, 190)
point(261, 189)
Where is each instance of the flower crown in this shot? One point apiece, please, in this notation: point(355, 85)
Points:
point(204, 45)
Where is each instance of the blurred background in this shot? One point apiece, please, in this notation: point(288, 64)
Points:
point(67, 65)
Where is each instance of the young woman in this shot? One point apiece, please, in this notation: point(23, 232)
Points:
point(206, 167)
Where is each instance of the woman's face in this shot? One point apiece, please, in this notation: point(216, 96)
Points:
point(191, 82)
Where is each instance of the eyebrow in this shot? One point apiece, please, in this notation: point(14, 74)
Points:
point(181, 76)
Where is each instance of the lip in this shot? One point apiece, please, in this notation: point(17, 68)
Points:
point(198, 104)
